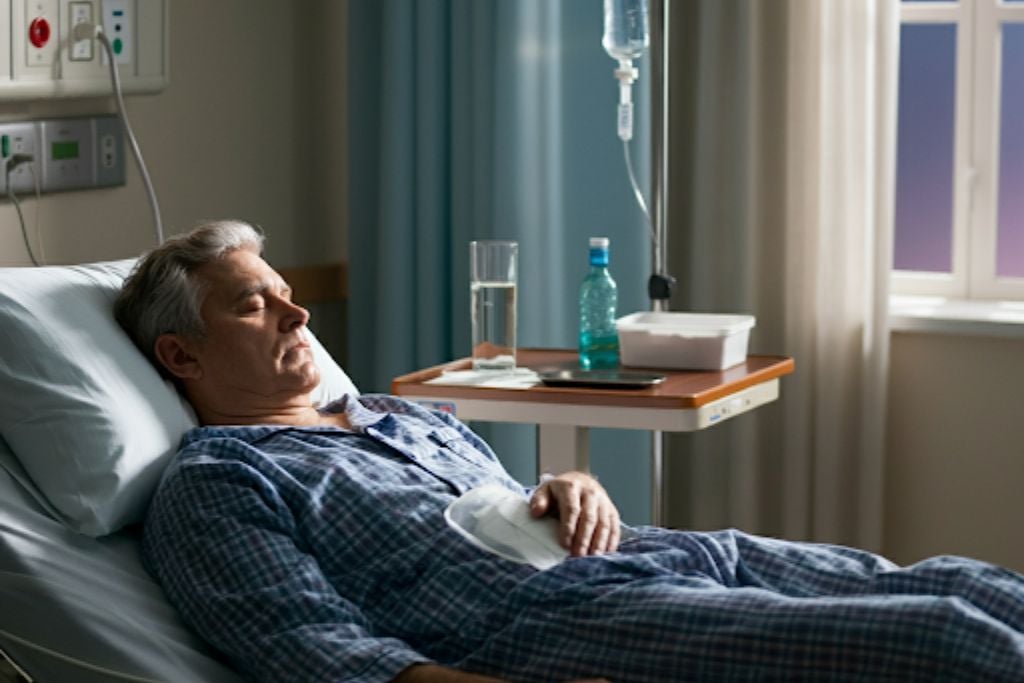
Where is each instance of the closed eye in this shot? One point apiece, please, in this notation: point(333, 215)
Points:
point(253, 304)
point(256, 298)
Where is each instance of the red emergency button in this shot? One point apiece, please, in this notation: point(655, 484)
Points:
point(39, 31)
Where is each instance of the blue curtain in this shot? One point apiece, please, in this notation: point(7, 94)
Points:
point(476, 119)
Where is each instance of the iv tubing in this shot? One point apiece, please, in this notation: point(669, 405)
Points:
point(637, 191)
point(626, 75)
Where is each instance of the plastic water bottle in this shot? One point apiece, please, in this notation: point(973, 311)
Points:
point(599, 297)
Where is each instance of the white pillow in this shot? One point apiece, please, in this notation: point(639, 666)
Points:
point(92, 423)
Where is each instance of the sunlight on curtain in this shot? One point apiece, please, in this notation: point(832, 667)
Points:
point(784, 167)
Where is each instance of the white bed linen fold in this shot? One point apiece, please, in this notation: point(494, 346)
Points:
point(89, 600)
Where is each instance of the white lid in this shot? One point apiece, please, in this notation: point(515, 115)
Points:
point(599, 242)
point(693, 324)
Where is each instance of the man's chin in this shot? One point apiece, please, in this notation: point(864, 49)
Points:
point(309, 376)
point(303, 376)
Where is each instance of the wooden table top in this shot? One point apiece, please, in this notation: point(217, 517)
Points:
point(681, 388)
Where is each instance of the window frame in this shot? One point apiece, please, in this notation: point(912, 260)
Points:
point(976, 151)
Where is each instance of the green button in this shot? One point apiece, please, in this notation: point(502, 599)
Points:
point(5, 146)
point(118, 46)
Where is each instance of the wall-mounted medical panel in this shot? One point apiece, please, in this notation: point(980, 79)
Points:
point(40, 58)
point(66, 154)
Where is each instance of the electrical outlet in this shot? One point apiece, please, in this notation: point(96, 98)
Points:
point(80, 13)
point(110, 151)
point(19, 138)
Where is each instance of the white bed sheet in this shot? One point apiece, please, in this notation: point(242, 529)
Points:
point(86, 599)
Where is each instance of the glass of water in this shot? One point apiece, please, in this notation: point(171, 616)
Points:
point(492, 291)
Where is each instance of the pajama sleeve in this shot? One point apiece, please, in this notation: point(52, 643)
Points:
point(221, 541)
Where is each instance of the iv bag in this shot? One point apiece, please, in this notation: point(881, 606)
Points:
point(625, 29)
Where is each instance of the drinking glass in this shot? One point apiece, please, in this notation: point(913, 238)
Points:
point(492, 290)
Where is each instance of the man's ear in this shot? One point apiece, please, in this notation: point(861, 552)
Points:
point(174, 353)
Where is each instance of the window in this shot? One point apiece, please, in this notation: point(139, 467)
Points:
point(959, 215)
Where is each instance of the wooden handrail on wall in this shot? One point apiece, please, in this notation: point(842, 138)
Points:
point(317, 284)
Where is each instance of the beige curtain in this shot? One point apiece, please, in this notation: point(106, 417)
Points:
point(782, 162)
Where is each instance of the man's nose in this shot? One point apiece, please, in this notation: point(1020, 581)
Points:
point(294, 316)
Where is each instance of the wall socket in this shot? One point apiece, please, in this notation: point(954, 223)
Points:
point(67, 154)
point(19, 138)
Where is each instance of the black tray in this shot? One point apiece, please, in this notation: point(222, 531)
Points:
point(605, 379)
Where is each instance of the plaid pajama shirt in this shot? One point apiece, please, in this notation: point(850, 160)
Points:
point(320, 554)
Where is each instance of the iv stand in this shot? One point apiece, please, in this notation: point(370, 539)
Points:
point(660, 284)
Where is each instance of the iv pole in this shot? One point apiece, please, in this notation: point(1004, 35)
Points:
point(660, 284)
point(625, 23)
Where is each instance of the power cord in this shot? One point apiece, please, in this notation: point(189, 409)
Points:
point(13, 668)
point(89, 666)
point(88, 31)
point(35, 227)
point(13, 162)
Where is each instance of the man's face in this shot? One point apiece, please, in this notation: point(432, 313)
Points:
point(255, 344)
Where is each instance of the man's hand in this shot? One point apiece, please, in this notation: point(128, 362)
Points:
point(589, 519)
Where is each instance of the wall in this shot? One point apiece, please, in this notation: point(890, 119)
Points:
point(955, 452)
point(238, 133)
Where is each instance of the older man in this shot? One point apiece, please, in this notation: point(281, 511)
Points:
point(311, 544)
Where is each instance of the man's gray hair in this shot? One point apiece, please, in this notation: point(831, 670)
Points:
point(163, 295)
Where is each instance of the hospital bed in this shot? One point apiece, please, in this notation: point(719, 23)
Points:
point(74, 608)
point(87, 427)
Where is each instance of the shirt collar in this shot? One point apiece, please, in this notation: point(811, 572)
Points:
point(359, 416)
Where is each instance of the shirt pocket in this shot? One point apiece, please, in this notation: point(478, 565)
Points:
point(453, 441)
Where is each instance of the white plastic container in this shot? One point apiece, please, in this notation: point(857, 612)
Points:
point(685, 341)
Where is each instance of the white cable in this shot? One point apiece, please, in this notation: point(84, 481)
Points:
point(23, 676)
point(76, 662)
point(111, 59)
point(12, 163)
point(21, 219)
point(35, 228)
point(636, 191)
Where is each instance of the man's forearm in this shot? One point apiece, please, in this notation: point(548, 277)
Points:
point(432, 673)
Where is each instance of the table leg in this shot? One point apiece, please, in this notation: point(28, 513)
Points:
point(657, 475)
point(562, 448)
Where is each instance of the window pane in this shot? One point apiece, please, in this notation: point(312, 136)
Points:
point(924, 156)
point(1010, 250)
